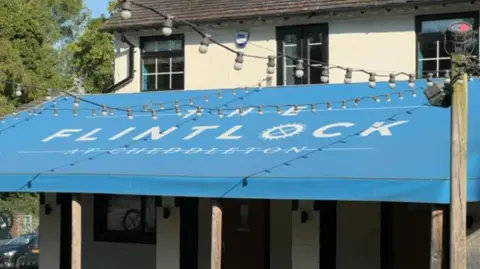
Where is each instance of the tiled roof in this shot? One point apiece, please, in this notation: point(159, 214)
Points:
point(221, 10)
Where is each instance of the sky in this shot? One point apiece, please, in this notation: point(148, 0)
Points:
point(97, 6)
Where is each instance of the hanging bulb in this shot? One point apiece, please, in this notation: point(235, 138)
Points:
point(313, 108)
point(260, 110)
point(219, 96)
point(205, 99)
point(299, 69)
point(176, 104)
point(167, 26)
point(126, 8)
point(240, 112)
point(18, 91)
point(324, 75)
point(154, 114)
point(348, 76)
point(75, 112)
point(391, 81)
point(372, 81)
point(199, 111)
point(204, 43)
point(49, 95)
point(76, 103)
point(35, 112)
point(220, 113)
point(234, 92)
point(111, 112)
point(400, 96)
point(246, 89)
point(162, 107)
point(411, 81)
point(271, 65)
point(376, 99)
point(30, 113)
point(55, 112)
point(356, 101)
point(329, 106)
point(104, 111)
point(279, 110)
point(178, 112)
point(460, 77)
point(129, 114)
point(295, 108)
point(190, 101)
point(430, 79)
point(94, 113)
point(447, 79)
point(414, 93)
point(238, 61)
point(344, 104)
point(388, 98)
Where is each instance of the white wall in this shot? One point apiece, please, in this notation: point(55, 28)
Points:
point(376, 42)
point(50, 234)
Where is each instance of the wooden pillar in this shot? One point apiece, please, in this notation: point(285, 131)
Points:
point(436, 239)
point(76, 232)
point(216, 247)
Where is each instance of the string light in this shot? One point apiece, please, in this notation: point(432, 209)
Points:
point(75, 112)
point(430, 79)
point(190, 101)
point(205, 99)
point(324, 75)
point(126, 12)
point(49, 95)
point(295, 108)
point(234, 92)
point(178, 112)
point(356, 101)
point(400, 95)
point(55, 112)
point(204, 43)
point(199, 111)
point(388, 98)
point(219, 96)
point(260, 110)
point(94, 112)
point(240, 112)
point(162, 107)
point(76, 103)
point(104, 111)
point(348, 76)
point(411, 81)
point(220, 113)
point(376, 99)
point(391, 81)
point(299, 69)
point(447, 79)
point(329, 106)
point(154, 114)
point(271, 65)
point(279, 110)
point(18, 91)
point(176, 104)
point(167, 26)
point(414, 93)
point(239, 61)
point(111, 112)
point(372, 81)
point(129, 114)
point(344, 104)
point(313, 109)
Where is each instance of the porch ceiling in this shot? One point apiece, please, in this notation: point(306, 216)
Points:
point(386, 151)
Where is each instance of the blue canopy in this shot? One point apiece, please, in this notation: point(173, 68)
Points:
point(370, 151)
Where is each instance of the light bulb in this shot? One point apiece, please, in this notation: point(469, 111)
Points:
point(299, 69)
point(348, 76)
point(271, 65)
point(154, 115)
point(372, 81)
point(430, 80)
point(447, 77)
point(104, 111)
point(203, 49)
point(168, 26)
point(126, 14)
point(324, 76)
point(126, 7)
point(204, 43)
point(129, 114)
point(299, 73)
point(391, 81)
point(238, 61)
point(18, 91)
point(411, 81)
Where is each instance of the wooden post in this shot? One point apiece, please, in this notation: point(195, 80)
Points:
point(436, 239)
point(76, 232)
point(216, 247)
point(458, 167)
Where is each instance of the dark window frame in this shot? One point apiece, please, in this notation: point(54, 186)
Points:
point(169, 54)
point(301, 30)
point(102, 234)
point(436, 17)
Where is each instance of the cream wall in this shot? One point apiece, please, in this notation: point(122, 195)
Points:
point(376, 41)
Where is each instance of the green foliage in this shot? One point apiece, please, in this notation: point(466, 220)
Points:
point(21, 203)
point(93, 56)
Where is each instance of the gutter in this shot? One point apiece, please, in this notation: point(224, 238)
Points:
point(131, 64)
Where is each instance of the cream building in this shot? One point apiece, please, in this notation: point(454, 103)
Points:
point(378, 36)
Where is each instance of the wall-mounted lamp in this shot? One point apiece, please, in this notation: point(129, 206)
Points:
point(47, 209)
point(303, 217)
point(166, 213)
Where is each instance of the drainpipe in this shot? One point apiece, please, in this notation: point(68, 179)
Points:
point(129, 78)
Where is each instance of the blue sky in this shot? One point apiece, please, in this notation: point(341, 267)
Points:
point(97, 6)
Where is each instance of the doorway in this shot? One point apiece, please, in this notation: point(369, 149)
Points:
point(245, 234)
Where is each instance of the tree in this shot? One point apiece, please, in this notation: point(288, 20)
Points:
point(93, 55)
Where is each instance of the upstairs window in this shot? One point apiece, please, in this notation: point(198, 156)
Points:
point(163, 63)
point(308, 42)
point(431, 54)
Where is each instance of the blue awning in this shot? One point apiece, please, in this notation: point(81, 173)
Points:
point(373, 151)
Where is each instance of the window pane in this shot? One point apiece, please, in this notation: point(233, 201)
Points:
point(149, 82)
point(314, 37)
point(149, 66)
point(316, 54)
point(427, 49)
point(177, 82)
point(163, 65)
point(441, 26)
point(150, 214)
point(163, 82)
point(290, 51)
point(124, 213)
point(445, 65)
point(315, 74)
point(149, 46)
point(427, 67)
point(169, 45)
point(290, 39)
point(177, 64)
point(290, 76)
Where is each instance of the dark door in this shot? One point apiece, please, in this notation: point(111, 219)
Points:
point(244, 234)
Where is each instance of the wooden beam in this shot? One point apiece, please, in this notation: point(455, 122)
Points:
point(76, 232)
point(458, 166)
point(216, 247)
point(436, 238)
